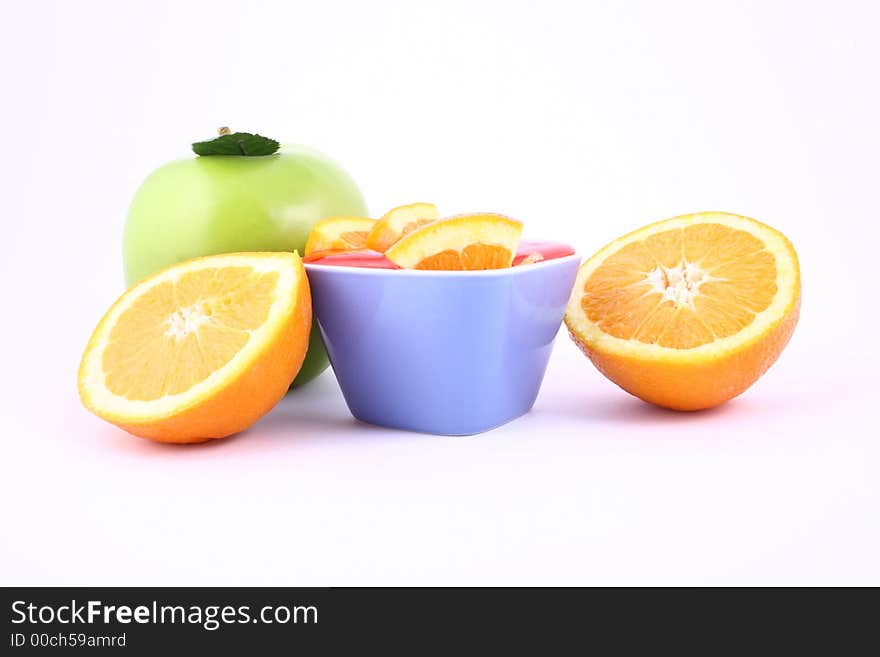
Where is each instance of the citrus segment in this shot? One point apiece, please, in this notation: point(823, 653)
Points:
point(687, 312)
point(398, 222)
point(465, 242)
point(339, 234)
point(200, 350)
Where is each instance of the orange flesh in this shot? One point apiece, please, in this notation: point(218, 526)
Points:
point(386, 237)
point(682, 288)
point(354, 239)
point(180, 332)
point(472, 257)
point(339, 234)
point(412, 225)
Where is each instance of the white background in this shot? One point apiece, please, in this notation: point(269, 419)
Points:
point(585, 120)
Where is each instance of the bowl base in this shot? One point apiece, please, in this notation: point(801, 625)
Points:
point(451, 430)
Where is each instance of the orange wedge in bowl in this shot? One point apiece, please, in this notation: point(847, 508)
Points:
point(200, 350)
point(464, 242)
point(689, 312)
point(339, 234)
point(398, 222)
point(528, 259)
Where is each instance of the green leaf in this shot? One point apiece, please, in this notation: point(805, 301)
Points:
point(237, 143)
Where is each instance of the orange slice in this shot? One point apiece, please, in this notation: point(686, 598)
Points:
point(689, 312)
point(339, 234)
point(530, 259)
point(398, 222)
point(200, 350)
point(465, 242)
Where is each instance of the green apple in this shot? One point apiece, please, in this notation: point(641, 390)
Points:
point(219, 203)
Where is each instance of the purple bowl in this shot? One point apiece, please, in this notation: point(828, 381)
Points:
point(441, 352)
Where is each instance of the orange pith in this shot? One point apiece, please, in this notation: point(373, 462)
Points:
point(339, 234)
point(688, 312)
point(200, 350)
point(461, 243)
point(398, 222)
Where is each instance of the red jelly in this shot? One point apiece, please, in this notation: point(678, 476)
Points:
point(527, 253)
point(369, 259)
point(537, 251)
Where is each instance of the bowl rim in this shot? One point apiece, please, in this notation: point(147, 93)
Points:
point(424, 273)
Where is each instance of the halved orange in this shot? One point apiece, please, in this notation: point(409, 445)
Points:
point(689, 312)
point(339, 234)
point(464, 242)
point(200, 350)
point(398, 222)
